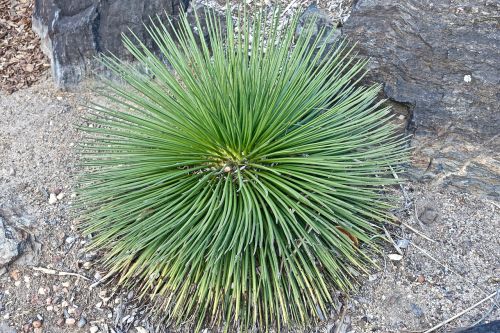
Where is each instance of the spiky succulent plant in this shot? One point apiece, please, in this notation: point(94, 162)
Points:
point(242, 183)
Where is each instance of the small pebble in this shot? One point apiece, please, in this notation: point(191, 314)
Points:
point(52, 198)
point(403, 243)
point(41, 291)
point(421, 278)
point(38, 330)
point(71, 310)
point(94, 329)
point(87, 265)
point(82, 322)
point(17, 283)
point(64, 304)
point(37, 323)
point(60, 196)
point(50, 308)
point(417, 310)
point(395, 256)
point(15, 275)
point(70, 321)
point(60, 321)
point(12, 172)
point(69, 240)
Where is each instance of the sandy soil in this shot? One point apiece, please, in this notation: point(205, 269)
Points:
point(433, 281)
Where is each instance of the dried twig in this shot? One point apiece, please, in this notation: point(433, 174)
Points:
point(107, 276)
point(493, 306)
point(418, 232)
point(60, 273)
point(434, 328)
point(393, 242)
point(341, 319)
point(288, 7)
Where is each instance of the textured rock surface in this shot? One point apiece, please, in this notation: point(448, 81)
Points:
point(494, 326)
point(73, 32)
point(440, 59)
point(9, 248)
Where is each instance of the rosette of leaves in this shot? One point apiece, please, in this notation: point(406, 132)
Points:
point(242, 183)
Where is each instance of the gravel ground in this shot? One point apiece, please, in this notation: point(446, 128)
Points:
point(433, 281)
point(446, 261)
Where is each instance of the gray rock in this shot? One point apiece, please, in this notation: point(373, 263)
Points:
point(73, 32)
point(439, 60)
point(9, 248)
point(493, 326)
point(82, 322)
point(201, 11)
point(428, 215)
point(320, 22)
point(417, 310)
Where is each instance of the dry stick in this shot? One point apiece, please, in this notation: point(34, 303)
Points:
point(493, 306)
point(341, 319)
point(432, 329)
point(289, 6)
point(392, 241)
point(60, 273)
point(418, 232)
point(107, 276)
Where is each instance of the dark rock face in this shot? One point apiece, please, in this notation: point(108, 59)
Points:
point(9, 246)
point(440, 59)
point(73, 32)
point(492, 327)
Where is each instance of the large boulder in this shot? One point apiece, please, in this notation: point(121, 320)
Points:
point(73, 32)
point(440, 59)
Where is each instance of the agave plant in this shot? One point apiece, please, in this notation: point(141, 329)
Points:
point(243, 182)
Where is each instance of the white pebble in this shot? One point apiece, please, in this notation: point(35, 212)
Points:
point(52, 198)
point(60, 196)
point(467, 78)
point(395, 256)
